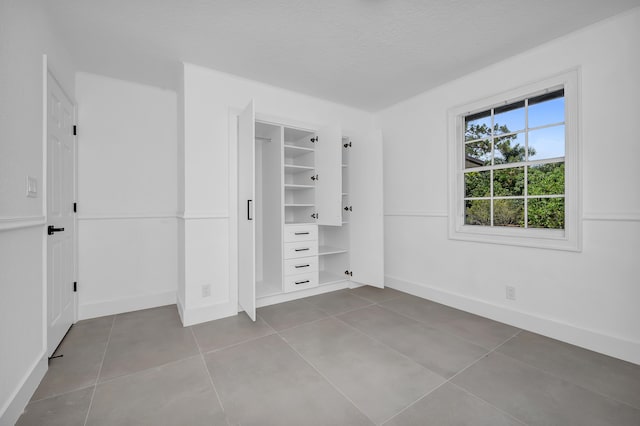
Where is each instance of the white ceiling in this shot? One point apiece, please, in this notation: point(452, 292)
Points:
point(368, 54)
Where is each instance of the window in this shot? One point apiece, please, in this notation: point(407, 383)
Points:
point(514, 167)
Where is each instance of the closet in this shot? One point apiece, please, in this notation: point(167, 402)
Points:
point(310, 210)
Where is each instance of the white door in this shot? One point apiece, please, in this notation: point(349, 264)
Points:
point(60, 217)
point(246, 209)
point(328, 159)
point(366, 221)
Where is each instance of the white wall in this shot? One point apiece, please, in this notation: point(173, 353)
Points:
point(209, 191)
point(127, 195)
point(25, 36)
point(588, 298)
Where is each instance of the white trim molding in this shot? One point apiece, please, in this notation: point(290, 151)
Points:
point(15, 405)
point(128, 304)
point(614, 346)
point(11, 223)
point(418, 213)
point(612, 216)
point(126, 216)
point(197, 215)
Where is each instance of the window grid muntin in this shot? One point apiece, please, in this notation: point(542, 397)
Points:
point(526, 164)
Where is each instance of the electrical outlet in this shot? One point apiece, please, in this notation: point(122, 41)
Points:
point(32, 187)
point(511, 292)
point(206, 290)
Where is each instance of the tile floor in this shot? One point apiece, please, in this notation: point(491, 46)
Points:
point(352, 357)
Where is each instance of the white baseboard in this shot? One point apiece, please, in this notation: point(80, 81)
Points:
point(14, 407)
point(593, 340)
point(118, 306)
point(206, 313)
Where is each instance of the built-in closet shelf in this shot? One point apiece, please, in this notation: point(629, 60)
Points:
point(293, 169)
point(267, 288)
point(344, 194)
point(295, 151)
point(344, 165)
point(325, 250)
point(299, 222)
point(297, 187)
point(299, 205)
point(344, 222)
point(329, 278)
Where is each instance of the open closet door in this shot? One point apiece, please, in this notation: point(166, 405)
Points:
point(367, 220)
point(328, 159)
point(246, 198)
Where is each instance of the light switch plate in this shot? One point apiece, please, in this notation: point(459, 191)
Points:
point(32, 187)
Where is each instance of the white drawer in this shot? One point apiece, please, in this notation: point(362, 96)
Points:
point(301, 249)
point(301, 281)
point(301, 265)
point(293, 233)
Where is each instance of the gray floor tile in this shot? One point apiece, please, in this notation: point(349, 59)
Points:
point(440, 352)
point(378, 380)
point(229, 331)
point(179, 393)
point(600, 373)
point(337, 302)
point(448, 406)
point(145, 339)
point(69, 409)
point(375, 294)
point(290, 314)
point(481, 331)
point(538, 398)
point(264, 382)
point(82, 349)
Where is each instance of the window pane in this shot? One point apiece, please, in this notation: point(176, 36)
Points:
point(477, 184)
point(508, 182)
point(477, 212)
point(546, 143)
point(509, 118)
point(477, 126)
point(546, 213)
point(546, 109)
point(477, 154)
point(509, 149)
point(546, 179)
point(508, 213)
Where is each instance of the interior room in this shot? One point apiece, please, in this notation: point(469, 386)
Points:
point(356, 212)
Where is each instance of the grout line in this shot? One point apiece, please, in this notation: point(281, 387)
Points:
point(488, 403)
point(55, 395)
point(449, 380)
point(569, 380)
point(207, 369)
point(447, 332)
point(325, 378)
point(134, 373)
point(95, 386)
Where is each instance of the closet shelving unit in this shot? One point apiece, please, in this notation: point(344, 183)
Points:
point(298, 233)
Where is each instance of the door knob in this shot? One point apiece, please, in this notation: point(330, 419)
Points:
point(51, 230)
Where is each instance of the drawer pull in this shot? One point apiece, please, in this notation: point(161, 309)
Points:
point(301, 233)
point(303, 249)
point(302, 282)
point(302, 266)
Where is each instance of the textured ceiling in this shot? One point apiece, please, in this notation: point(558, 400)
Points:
point(365, 53)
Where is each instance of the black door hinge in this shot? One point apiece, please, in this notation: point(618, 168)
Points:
point(347, 145)
point(315, 215)
point(348, 208)
point(314, 139)
point(349, 273)
point(75, 207)
point(314, 177)
point(75, 286)
point(75, 130)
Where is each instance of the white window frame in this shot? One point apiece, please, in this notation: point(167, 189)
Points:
point(569, 238)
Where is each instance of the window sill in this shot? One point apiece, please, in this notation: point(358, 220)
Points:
point(551, 239)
